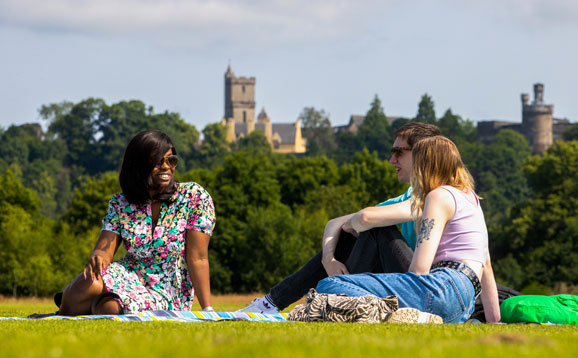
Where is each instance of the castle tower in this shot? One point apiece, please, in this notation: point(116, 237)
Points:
point(263, 118)
point(239, 117)
point(300, 142)
point(240, 99)
point(537, 119)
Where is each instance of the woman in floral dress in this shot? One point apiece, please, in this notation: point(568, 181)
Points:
point(165, 227)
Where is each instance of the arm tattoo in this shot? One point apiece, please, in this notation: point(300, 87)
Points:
point(424, 231)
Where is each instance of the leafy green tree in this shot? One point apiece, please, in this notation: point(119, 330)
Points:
point(76, 126)
point(497, 169)
point(52, 183)
point(72, 238)
point(328, 202)
point(425, 110)
point(24, 265)
point(301, 177)
point(347, 145)
point(554, 172)
point(55, 111)
point(455, 128)
point(90, 202)
point(15, 230)
point(271, 208)
point(246, 181)
point(214, 146)
point(397, 124)
point(571, 133)
point(69, 250)
point(317, 130)
point(374, 132)
point(185, 136)
point(13, 193)
point(272, 248)
point(38, 162)
point(371, 179)
point(22, 144)
point(95, 134)
point(254, 142)
point(203, 176)
point(118, 123)
point(121, 121)
point(542, 233)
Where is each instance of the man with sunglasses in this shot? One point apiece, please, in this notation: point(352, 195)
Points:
point(357, 242)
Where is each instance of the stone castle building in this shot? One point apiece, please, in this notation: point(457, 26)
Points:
point(240, 117)
point(538, 123)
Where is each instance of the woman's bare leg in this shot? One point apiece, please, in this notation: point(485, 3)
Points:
point(77, 297)
point(107, 305)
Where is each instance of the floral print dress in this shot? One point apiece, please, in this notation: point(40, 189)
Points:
point(154, 275)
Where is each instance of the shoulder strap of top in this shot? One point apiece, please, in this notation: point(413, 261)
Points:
point(450, 189)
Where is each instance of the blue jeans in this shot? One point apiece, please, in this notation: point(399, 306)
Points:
point(445, 292)
point(381, 249)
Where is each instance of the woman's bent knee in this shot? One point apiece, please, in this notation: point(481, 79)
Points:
point(85, 286)
point(81, 291)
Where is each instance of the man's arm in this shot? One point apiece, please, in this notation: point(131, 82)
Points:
point(330, 239)
point(380, 216)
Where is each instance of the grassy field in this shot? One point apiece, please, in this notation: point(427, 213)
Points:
point(252, 339)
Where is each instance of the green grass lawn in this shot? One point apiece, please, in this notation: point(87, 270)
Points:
point(253, 339)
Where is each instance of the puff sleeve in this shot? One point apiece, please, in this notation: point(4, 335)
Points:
point(202, 212)
point(111, 221)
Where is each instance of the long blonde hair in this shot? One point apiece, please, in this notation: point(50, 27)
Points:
point(436, 162)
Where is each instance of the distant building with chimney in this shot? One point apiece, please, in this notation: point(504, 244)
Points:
point(240, 117)
point(355, 121)
point(538, 123)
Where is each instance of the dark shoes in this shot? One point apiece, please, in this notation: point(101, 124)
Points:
point(58, 299)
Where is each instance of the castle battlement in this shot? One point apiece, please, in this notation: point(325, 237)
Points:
point(538, 109)
point(242, 80)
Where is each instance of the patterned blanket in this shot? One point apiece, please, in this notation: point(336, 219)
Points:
point(173, 316)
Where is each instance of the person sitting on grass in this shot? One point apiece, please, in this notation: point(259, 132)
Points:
point(451, 257)
point(165, 227)
point(376, 245)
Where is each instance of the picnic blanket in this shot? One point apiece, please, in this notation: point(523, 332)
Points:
point(173, 316)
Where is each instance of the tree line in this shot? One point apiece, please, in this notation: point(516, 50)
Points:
point(271, 208)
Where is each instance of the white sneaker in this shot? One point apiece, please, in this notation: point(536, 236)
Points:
point(260, 305)
point(412, 315)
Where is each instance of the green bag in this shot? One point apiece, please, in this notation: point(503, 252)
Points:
point(559, 309)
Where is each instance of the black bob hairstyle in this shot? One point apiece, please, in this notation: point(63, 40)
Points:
point(141, 156)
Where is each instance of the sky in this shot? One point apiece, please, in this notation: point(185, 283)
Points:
point(475, 57)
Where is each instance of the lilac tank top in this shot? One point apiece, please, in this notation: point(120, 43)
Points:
point(465, 236)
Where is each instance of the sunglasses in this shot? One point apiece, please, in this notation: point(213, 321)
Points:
point(171, 160)
point(397, 151)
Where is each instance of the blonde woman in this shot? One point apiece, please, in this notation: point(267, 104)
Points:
point(451, 262)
